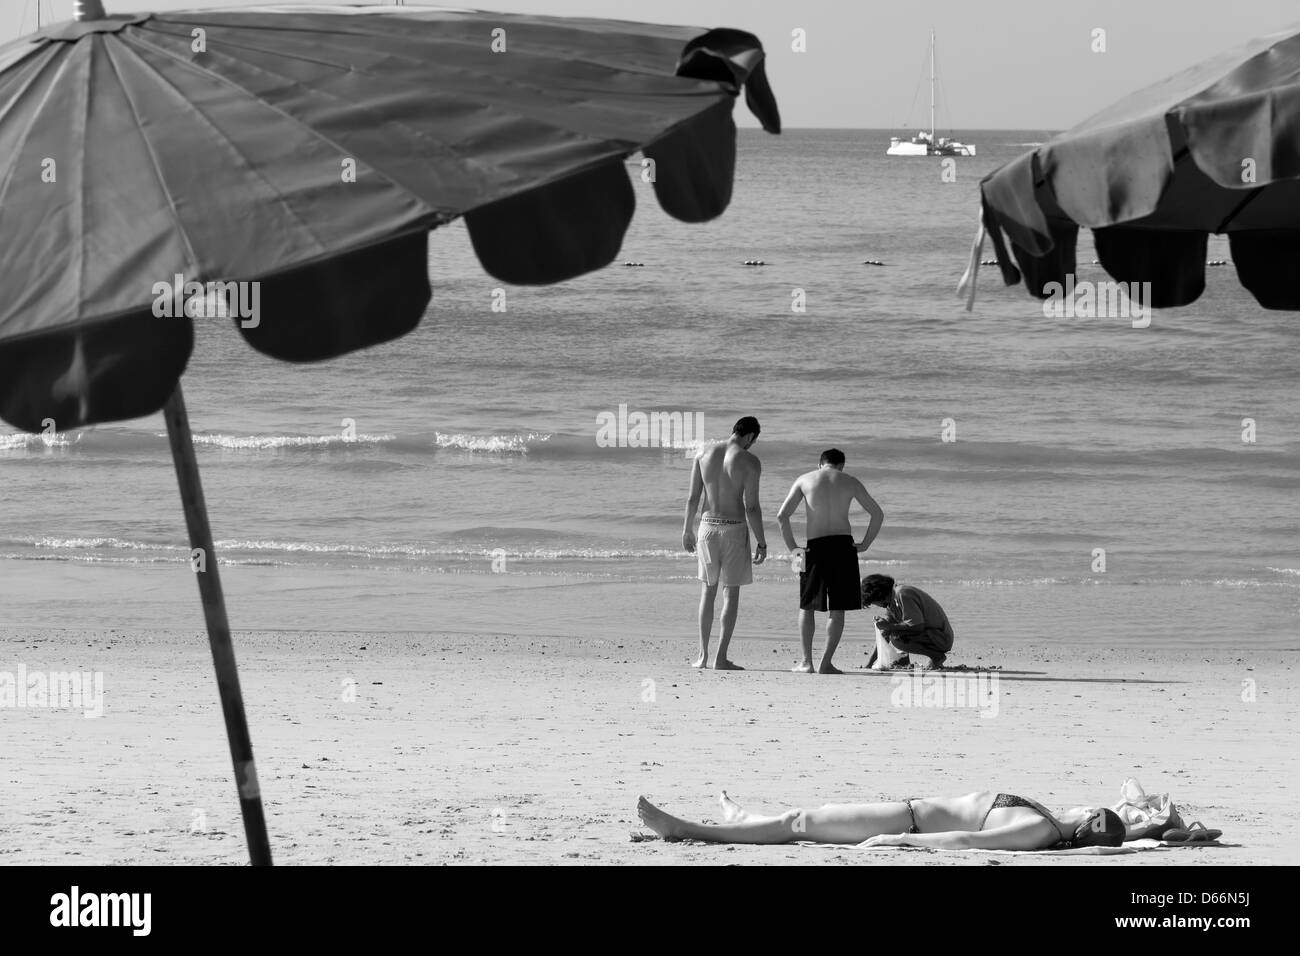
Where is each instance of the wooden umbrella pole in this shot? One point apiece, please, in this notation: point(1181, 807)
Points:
point(214, 611)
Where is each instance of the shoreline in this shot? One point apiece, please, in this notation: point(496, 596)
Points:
point(1109, 615)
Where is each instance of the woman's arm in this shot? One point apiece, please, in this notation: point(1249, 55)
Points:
point(1027, 835)
point(908, 622)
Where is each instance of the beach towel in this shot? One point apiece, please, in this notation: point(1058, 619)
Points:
point(1074, 851)
point(1136, 846)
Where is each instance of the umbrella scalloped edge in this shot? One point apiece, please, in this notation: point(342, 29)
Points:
point(1211, 151)
point(79, 370)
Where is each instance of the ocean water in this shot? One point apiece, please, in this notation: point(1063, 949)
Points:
point(476, 437)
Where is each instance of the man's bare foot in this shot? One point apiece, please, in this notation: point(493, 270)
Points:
point(664, 824)
point(701, 661)
point(829, 669)
point(804, 668)
point(726, 666)
point(731, 810)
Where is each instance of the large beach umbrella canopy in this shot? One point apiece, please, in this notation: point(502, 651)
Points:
point(311, 149)
point(1214, 149)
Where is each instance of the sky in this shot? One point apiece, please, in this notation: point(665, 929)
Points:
point(1003, 64)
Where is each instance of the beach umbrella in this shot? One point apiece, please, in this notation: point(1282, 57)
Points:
point(1214, 149)
point(289, 162)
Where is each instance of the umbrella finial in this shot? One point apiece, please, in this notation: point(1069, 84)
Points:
point(88, 10)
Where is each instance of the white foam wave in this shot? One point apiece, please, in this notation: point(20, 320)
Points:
point(476, 553)
point(493, 444)
point(27, 440)
point(263, 442)
point(370, 551)
point(1009, 582)
point(95, 543)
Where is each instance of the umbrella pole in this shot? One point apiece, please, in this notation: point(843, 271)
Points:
point(214, 611)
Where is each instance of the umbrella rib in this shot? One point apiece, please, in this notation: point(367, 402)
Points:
point(1185, 154)
point(61, 67)
point(31, 123)
point(288, 117)
point(715, 88)
point(417, 134)
point(321, 247)
point(157, 170)
point(80, 167)
point(1236, 210)
point(569, 52)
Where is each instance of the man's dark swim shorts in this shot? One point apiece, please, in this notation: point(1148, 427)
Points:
point(830, 579)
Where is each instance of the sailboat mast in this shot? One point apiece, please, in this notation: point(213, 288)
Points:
point(931, 86)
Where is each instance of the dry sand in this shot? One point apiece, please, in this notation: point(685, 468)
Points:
point(492, 748)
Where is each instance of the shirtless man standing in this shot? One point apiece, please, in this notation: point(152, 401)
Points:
point(829, 580)
point(727, 475)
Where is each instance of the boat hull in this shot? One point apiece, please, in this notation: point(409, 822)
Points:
point(907, 149)
point(923, 149)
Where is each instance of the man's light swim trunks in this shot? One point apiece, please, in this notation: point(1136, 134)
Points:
point(723, 547)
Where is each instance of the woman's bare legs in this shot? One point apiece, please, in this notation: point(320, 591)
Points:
point(834, 823)
point(742, 827)
point(732, 812)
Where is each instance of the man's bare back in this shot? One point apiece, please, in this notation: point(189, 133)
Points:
point(827, 495)
point(725, 470)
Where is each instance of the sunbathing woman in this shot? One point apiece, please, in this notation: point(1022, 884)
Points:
point(985, 821)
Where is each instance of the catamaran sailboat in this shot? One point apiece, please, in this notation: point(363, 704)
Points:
point(927, 144)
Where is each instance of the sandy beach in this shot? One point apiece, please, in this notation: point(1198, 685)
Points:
point(502, 747)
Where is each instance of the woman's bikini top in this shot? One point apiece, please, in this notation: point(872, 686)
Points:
point(1011, 800)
